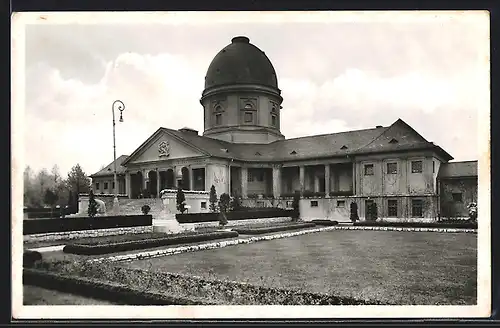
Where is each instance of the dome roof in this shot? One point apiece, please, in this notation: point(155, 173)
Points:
point(241, 63)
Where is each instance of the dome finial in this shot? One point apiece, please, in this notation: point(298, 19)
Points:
point(242, 39)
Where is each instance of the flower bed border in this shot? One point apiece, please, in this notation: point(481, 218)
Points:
point(259, 231)
point(114, 292)
point(451, 225)
point(324, 222)
point(83, 249)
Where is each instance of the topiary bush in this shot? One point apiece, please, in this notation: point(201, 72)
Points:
point(92, 210)
point(213, 199)
point(223, 206)
point(181, 200)
point(145, 209)
point(295, 206)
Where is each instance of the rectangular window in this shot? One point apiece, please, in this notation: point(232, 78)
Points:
point(314, 203)
point(417, 208)
point(416, 167)
point(433, 167)
point(113, 185)
point(341, 203)
point(250, 176)
point(218, 119)
point(392, 168)
point(273, 120)
point(289, 204)
point(457, 196)
point(105, 185)
point(260, 176)
point(368, 169)
point(203, 205)
point(392, 208)
point(248, 117)
point(97, 185)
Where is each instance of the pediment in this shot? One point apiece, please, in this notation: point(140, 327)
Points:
point(163, 146)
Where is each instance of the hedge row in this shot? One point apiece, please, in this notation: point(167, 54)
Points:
point(234, 215)
point(325, 222)
point(114, 292)
point(457, 225)
point(30, 258)
point(259, 231)
point(129, 245)
point(85, 223)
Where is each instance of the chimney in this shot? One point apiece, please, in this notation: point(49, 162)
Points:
point(189, 130)
point(379, 126)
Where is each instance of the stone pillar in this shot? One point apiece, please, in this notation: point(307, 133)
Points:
point(244, 182)
point(327, 179)
point(276, 181)
point(191, 182)
point(144, 179)
point(302, 178)
point(157, 183)
point(354, 180)
point(128, 184)
point(207, 187)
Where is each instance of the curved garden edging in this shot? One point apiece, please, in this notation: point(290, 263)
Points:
point(115, 292)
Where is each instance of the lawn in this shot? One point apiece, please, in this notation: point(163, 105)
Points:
point(421, 268)
point(33, 295)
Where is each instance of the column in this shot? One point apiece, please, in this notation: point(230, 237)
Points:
point(244, 182)
point(207, 187)
point(157, 183)
point(276, 181)
point(327, 180)
point(144, 179)
point(128, 184)
point(301, 179)
point(191, 182)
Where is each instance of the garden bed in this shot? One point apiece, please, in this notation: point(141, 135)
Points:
point(111, 291)
point(444, 224)
point(114, 244)
point(273, 228)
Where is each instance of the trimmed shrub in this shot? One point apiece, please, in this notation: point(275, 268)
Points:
point(110, 291)
point(106, 248)
point(442, 224)
point(181, 200)
point(236, 203)
point(30, 258)
point(325, 222)
point(85, 223)
point(213, 199)
point(258, 231)
point(224, 207)
point(145, 209)
point(295, 206)
point(92, 210)
point(244, 214)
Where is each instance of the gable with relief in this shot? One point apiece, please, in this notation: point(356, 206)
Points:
point(165, 147)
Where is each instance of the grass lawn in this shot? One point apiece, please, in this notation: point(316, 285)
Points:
point(33, 295)
point(421, 268)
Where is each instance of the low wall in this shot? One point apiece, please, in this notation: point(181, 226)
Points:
point(69, 235)
point(338, 208)
point(83, 202)
point(194, 200)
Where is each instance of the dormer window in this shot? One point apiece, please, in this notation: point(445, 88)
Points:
point(393, 141)
point(343, 147)
point(248, 107)
point(258, 154)
point(293, 152)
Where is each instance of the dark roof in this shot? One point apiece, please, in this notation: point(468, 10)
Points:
point(358, 142)
point(109, 169)
point(458, 169)
point(241, 63)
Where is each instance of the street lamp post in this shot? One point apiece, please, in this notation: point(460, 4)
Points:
point(120, 107)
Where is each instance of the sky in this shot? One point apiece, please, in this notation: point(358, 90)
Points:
point(335, 75)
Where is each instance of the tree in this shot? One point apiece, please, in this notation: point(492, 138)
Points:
point(295, 206)
point(223, 206)
point(236, 203)
point(180, 200)
point(50, 197)
point(92, 211)
point(77, 180)
point(213, 199)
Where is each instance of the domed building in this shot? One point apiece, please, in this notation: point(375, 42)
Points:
point(243, 152)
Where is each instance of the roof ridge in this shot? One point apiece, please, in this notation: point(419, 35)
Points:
point(329, 134)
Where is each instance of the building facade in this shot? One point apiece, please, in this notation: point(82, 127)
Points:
point(243, 152)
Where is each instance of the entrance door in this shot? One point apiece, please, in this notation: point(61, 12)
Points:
point(368, 209)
